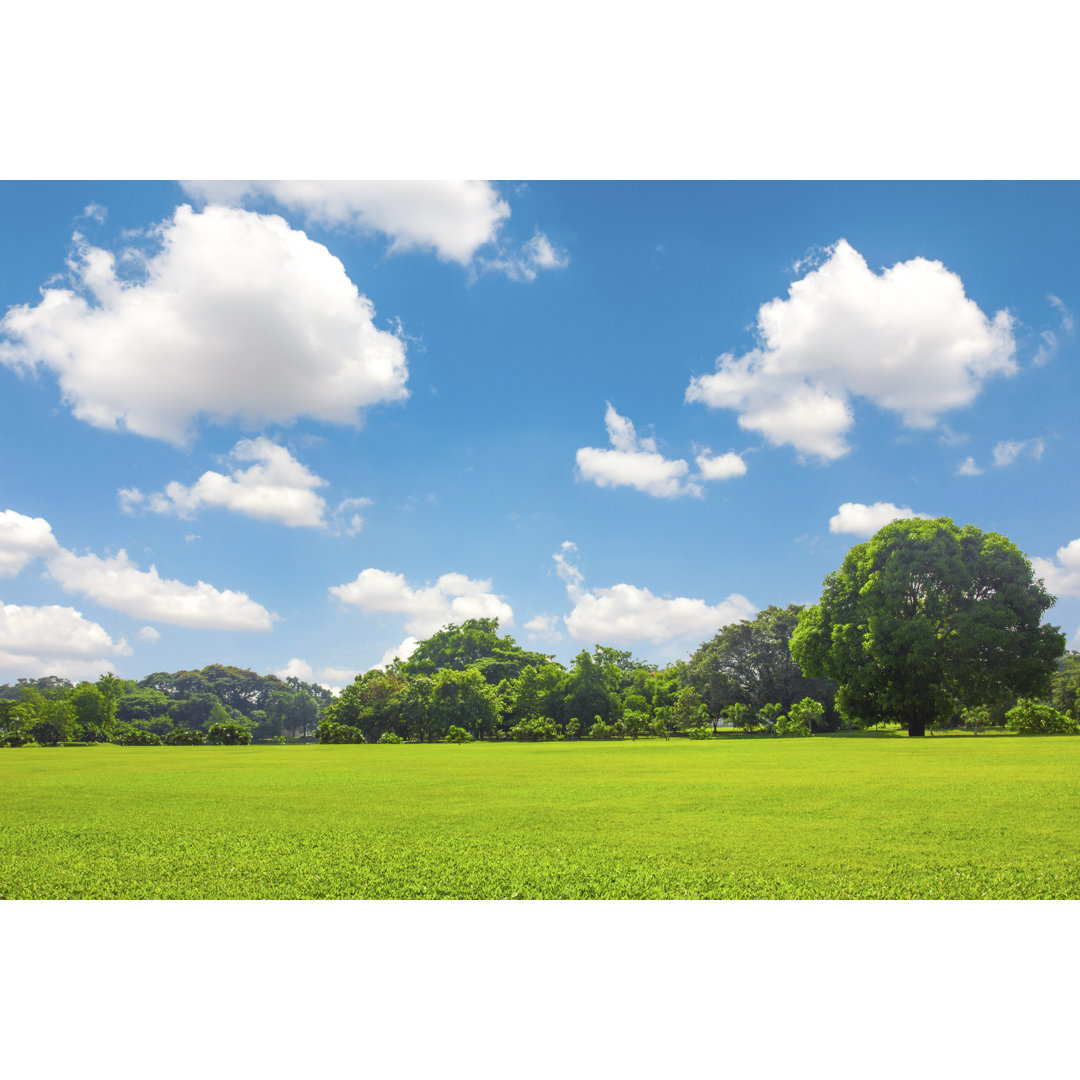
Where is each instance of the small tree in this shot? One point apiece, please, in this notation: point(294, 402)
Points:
point(459, 735)
point(800, 718)
point(390, 737)
point(975, 716)
point(330, 732)
point(770, 714)
point(573, 726)
point(739, 716)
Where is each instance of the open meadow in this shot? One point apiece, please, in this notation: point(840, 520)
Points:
point(823, 818)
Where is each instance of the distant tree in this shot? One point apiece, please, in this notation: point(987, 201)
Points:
point(227, 733)
point(926, 617)
point(739, 715)
point(455, 734)
point(586, 689)
point(463, 699)
point(975, 717)
point(475, 643)
point(92, 711)
point(750, 662)
point(801, 718)
point(770, 714)
point(1065, 685)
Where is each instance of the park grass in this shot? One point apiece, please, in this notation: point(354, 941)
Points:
point(823, 818)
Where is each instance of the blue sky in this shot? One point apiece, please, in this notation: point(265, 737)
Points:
point(333, 417)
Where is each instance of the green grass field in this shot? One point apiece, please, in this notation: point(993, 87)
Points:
point(822, 818)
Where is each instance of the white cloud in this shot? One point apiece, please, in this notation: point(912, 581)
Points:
point(633, 462)
point(862, 520)
point(297, 669)
point(350, 524)
point(721, 467)
point(909, 340)
point(129, 498)
point(339, 675)
point(118, 583)
point(1047, 350)
point(1005, 453)
point(969, 468)
point(451, 217)
point(276, 488)
point(399, 652)
point(22, 539)
point(95, 212)
point(1063, 577)
point(54, 640)
point(544, 628)
point(625, 613)
point(148, 633)
point(1068, 324)
point(536, 254)
point(452, 599)
point(237, 316)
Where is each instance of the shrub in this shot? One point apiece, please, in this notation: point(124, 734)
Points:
point(1029, 717)
point(17, 738)
point(600, 730)
point(703, 732)
point(136, 737)
point(185, 737)
point(277, 740)
point(535, 729)
point(228, 734)
point(329, 731)
point(457, 735)
point(573, 726)
point(390, 737)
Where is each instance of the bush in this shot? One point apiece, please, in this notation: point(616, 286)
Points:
point(600, 730)
point(136, 737)
point(390, 737)
point(573, 726)
point(535, 729)
point(184, 737)
point(457, 735)
point(228, 734)
point(329, 731)
point(16, 738)
point(276, 740)
point(1029, 717)
point(703, 732)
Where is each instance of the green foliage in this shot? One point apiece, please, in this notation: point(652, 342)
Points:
point(601, 730)
point(473, 644)
point(130, 736)
point(372, 702)
point(329, 731)
point(92, 712)
point(50, 720)
point(770, 714)
point(535, 729)
point(276, 740)
point(750, 662)
point(1029, 717)
point(14, 739)
point(390, 737)
point(975, 717)
point(802, 717)
point(1065, 685)
point(690, 709)
point(573, 726)
point(184, 737)
point(925, 617)
point(227, 733)
point(659, 728)
point(739, 715)
point(457, 735)
point(463, 699)
point(702, 732)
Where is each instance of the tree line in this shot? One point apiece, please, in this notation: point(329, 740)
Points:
point(926, 624)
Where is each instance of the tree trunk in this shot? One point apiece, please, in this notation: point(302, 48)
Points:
point(916, 725)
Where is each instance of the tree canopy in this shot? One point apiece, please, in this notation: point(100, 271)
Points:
point(926, 618)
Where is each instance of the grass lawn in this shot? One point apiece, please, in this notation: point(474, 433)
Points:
point(822, 818)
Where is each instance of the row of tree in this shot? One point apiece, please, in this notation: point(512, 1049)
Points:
point(926, 624)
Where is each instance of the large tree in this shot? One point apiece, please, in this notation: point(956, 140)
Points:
point(925, 618)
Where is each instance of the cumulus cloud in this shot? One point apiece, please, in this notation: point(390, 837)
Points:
point(22, 539)
point(148, 633)
point(398, 652)
point(908, 340)
point(625, 613)
point(276, 488)
point(633, 462)
point(1005, 453)
point(54, 640)
point(236, 316)
point(452, 599)
point(544, 628)
point(1062, 578)
point(349, 523)
point(721, 467)
point(969, 468)
point(862, 520)
point(116, 582)
point(451, 217)
point(332, 679)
